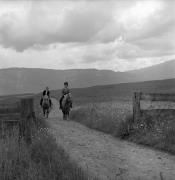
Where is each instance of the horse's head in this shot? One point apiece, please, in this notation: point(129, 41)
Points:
point(67, 96)
point(46, 99)
point(66, 100)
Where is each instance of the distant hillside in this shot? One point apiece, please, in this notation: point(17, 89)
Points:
point(23, 80)
point(161, 71)
point(122, 91)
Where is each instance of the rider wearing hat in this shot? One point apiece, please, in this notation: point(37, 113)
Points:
point(64, 91)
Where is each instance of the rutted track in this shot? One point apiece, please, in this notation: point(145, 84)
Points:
point(108, 157)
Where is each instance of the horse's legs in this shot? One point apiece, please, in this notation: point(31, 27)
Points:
point(64, 116)
point(67, 115)
point(47, 113)
point(43, 111)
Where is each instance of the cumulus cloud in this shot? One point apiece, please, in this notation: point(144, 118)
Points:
point(43, 25)
point(65, 34)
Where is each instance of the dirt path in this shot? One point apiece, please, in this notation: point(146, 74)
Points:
point(108, 157)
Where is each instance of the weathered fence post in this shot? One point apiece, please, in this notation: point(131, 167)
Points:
point(27, 109)
point(136, 106)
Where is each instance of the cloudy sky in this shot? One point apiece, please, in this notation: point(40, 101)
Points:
point(117, 35)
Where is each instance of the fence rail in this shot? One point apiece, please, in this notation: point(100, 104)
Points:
point(139, 96)
point(157, 97)
point(21, 113)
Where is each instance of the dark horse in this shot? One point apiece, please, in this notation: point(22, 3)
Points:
point(46, 106)
point(66, 105)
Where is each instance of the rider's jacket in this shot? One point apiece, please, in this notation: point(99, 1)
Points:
point(65, 91)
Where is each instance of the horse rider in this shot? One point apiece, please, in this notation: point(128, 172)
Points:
point(46, 92)
point(65, 91)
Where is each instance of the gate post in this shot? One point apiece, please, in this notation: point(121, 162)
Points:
point(136, 106)
point(27, 109)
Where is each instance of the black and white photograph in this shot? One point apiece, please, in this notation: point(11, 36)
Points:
point(87, 89)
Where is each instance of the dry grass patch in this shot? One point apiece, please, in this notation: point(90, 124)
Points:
point(157, 131)
point(42, 160)
point(107, 117)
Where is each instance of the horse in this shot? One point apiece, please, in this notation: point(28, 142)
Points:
point(46, 106)
point(66, 105)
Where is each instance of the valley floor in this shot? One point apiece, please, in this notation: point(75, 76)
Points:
point(107, 157)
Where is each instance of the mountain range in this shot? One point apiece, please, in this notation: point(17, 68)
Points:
point(33, 80)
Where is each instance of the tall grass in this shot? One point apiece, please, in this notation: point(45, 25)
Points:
point(42, 160)
point(116, 119)
point(107, 117)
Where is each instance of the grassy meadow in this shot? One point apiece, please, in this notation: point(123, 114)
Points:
point(104, 108)
point(116, 118)
point(43, 159)
point(105, 116)
point(108, 108)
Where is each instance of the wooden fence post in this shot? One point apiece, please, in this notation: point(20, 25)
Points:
point(136, 106)
point(27, 109)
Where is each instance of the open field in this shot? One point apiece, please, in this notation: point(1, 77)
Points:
point(109, 109)
point(103, 116)
point(103, 108)
point(116, 119)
